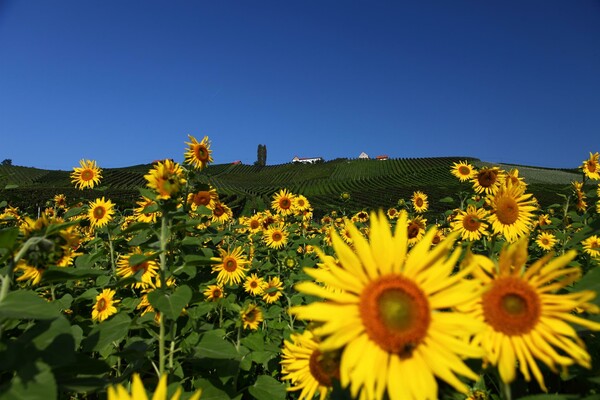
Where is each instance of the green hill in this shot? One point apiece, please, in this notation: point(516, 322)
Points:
point(370, 183)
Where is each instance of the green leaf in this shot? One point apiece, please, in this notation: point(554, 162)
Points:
point(25, 304)
point(73, 212)
point(137, 259)
point(254, 341)
point(214, 345)
point(447, 199)
point(170, 304)
point(195, 260)
point(8, 237)
point(267, 388)
point(104, 333)
point(63, 274)
point(32, 382)
point(590, 281)
point(11, 186)
point(139, 239)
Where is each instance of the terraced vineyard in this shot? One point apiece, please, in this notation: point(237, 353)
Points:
point(370, 183)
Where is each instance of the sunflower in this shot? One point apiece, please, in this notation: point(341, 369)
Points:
point(104, 306)
point(463, 171)
point(221, 213)
point(392, 213)
point(362, 216)
point(166, 178)
point(419, 202)
point(60, 201)
point(87, 175)
point(100, 212)
point(231, 266)
point(127, 266)
point(138, 392)
point(254, 285)
point(513, 177)
point(543, 220)
point(214, 292)
point(198, 154)
point(251, 316)
point(546, 241)
point(140, 213)
point(591, 245)
point(307, 369)
point(283, 202)
point(511, 212)
point(31, 274)
point(581, 204)
point(591, 166)
point(392, 313)
point(273, 290)
point(253, 223)
point(301, 203)
point(488, 180)
point(526, 318)
point(470, 223)
point(206, 198)
point(276, 236)
point(416, 229)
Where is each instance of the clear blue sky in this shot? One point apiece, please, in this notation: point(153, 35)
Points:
point(124, 82)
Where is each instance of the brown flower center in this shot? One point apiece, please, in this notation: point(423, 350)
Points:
point(229, 264)
point(276, 236)
point(137, 267)
point(464, 170)
point(324, 367)
point(101, 305)
point(413, 230)
point(507, 210)
point(201, 153)
point(99, 212)
point(202, 198)
point(487, 177)
point(591, 166)
point(419, 202)
point(87, 175)
point(471, 223)
point(511, 306)
point(395, 313)
point(285, 203)
point(218, 211)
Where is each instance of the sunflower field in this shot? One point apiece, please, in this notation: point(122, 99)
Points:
point(493, 297)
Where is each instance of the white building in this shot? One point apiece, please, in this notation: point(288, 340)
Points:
point(363, 156)
point(307, 160)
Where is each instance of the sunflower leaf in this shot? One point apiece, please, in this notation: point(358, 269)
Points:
point(170, 304)
point(25, 304)
point(267, 388)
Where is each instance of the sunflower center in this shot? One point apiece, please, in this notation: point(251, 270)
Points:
point(395, 313)
point(218, 211)
point(507, 210)
point(87, 175)
point(251, 315)
point(202, 199)
point(101, 306)
point(324, 367)
point(276, 236)
point(216, 293)
point(285, 203)
point(471, 223)
point(230, 265)
point(99, 212)
point(413, 230)
point(511, 306)
point(419, 202)
point(137, 267)
point(254, 224)
point(487, 178)
point(464, 170)
point(201, 153)
point(545, 241)
point(253, 284)
point(591, 166)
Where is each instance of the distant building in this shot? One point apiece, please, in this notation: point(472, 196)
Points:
point(236, 162)
point(383, 157)
point(363, 156)
point(307, 160)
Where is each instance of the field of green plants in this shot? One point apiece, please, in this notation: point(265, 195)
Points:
point(429, 278)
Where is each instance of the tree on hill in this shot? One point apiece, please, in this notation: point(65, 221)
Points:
point(261, 157)
point(7, 161)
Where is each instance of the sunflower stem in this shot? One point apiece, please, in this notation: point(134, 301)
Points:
point(164, 230)
point(506, 392)
point(112, 252)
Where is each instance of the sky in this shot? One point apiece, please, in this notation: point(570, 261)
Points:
point(125, 82)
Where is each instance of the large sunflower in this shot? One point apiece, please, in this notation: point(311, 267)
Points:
point(591, 166)
point(140, 212)
point(198, 154)
point(100, 212)
point(273, 290)
point(546, 241)
point(307, 369)
point(415, 229)
point(463, 171)
point(276, 236)
point(87, 175)
point(221, 213)
point(166, 178)
point(511, 212)
point(214, 292)
point(488, 180)
point(525, 316)
point(391, 313)
point(138, 392)
point(255, 285)
point(128, 266)
point(251, 316)
point(205, 198)
point(283, 202)
point(105, 305)
point(591, 245)
point(419, 202)
point(470, 223)
point(231, 266)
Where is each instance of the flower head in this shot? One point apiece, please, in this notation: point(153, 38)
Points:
point(86, 176)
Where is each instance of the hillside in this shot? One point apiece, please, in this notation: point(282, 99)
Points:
point(370, 183)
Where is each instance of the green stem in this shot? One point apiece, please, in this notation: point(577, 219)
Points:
point(506, 393)
point(164, 230)
point(112, 253)
point(8, 278)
